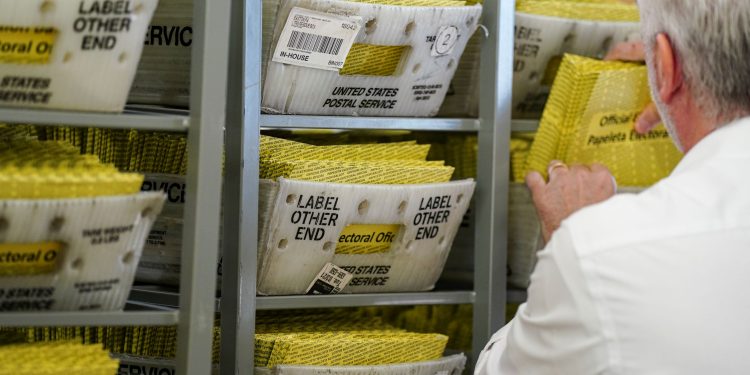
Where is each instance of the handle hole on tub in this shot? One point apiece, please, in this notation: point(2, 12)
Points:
point(291, 198)
point(370, 26)
point(409, 28)
point(409, 245)
point(57, 223)
point(47, 6)
point(402, 207)
point(77, 264)
point(146, 211)
point(363, 206)
point(128, 257)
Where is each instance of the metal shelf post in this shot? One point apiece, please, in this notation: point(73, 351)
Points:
point(490, 252)
point(202, 208)
point(239, 264)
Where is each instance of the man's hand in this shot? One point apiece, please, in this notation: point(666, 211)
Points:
point(569, 189)
point(634, 51)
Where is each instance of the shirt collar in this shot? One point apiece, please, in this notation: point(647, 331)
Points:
point(730, 139)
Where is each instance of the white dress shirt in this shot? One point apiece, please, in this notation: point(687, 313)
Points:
point(654, 283)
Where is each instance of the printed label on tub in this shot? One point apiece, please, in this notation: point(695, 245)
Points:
point(315, 39)
point(70, 55)
point(26, 45)
point(309, 219)
point(72, 254)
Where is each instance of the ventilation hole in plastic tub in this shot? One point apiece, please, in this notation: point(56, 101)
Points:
point(47, 6)
point(409, 28)
point(450, 64)
point(146, 211)
point(77, 263)
point(416, 68)
point(402, 207)
point(283, 243)
point(460, 198)
point(363, 206)
point(441, 241)
point(328, 246)
point(138, 8)
point(128, 257)
point(56, 224)
point(67, 57)
point(3, 224)
point(370, 26)
point(469, 21)
point(122, 57)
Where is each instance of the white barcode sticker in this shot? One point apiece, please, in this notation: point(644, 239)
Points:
point(330, 280)
point(316, 40)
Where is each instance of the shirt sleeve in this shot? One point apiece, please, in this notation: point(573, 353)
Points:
point(558, 330)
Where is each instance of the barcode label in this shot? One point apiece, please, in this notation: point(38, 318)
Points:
point(315, 43)
point(316, 40)
point(330, 280)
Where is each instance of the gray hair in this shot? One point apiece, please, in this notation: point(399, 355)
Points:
point(712, 41)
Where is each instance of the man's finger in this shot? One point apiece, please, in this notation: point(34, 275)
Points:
point(648, 119)
point(556, 167)
point(535, 182)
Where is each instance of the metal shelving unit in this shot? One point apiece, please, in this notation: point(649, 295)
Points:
point(241, 187)
point(204, 124)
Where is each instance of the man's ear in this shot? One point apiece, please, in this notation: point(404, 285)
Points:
point(668, 69)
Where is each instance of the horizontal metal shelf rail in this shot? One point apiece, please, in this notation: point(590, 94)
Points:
point(89, 318)
point(129, 119)
point(168, 297)
point(380, 123)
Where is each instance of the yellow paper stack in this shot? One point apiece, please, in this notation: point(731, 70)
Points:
point(32, 169)
point(55, 359)
point(520, 146)
point(589, 119)
point(340, 339)
point(128, 150)
point(454, 321)
point(139, 341)
point(395, 163)
point(593, 10)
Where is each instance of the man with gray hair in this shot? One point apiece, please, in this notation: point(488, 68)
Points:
point(654, 283)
